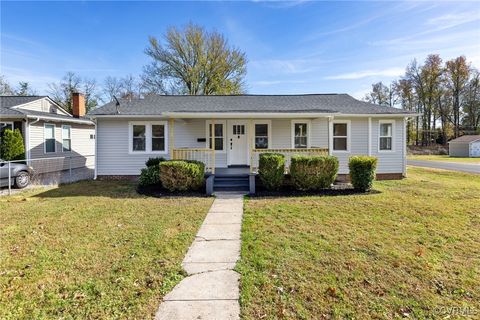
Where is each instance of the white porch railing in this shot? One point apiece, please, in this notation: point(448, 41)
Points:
point(288, 153)
point(207, 156)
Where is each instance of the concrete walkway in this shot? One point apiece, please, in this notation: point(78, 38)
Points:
point(211, 290)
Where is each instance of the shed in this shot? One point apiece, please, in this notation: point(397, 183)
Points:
point(465, 146)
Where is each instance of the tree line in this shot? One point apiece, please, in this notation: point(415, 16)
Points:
point(447, 95)
point(188, 60)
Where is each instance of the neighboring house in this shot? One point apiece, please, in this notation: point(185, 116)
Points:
point(180, 127)
point(465, 146)
point(48, 130)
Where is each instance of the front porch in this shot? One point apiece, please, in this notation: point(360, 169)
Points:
point(237, 143)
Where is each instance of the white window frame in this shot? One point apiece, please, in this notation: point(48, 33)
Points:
point(349, 133)
point(224, 132)
point(309, 130)
point(380, 122)
point(70, 138)
point(269, 136)
point(45, 125)
point(148, 136)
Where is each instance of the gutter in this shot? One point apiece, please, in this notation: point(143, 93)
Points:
point(251, 115)
point(74, 120)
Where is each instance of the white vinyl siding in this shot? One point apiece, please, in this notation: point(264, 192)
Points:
point(82, 146)
point(42, 105)
point(391, 161)
point(114, 157)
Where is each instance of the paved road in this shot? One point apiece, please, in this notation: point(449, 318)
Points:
point(464, 167)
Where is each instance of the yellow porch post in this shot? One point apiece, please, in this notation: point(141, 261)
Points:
point(171, 137)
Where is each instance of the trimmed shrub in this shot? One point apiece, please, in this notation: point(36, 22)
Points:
point(271, 169)
point(11, 146)
point(362, 172)
point(154, 161)
point(313, 172)
point(149, 176)
point(182, 175)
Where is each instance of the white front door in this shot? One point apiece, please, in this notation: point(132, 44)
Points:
point(237, 143)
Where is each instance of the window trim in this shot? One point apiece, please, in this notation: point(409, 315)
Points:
point(349, 133)
point(269, 135)
point(380, 122)
point(224, 132)
point(70, 138)
point(45, 125)
point(309, 130)
point(148, 136)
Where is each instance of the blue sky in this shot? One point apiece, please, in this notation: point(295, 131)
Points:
point(292, 47)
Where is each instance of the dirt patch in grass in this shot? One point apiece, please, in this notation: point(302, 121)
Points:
point(409, 251)
point(92, 250)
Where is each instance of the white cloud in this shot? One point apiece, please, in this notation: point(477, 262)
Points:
point(389, 72)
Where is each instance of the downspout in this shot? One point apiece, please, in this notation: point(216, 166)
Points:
point(27, 137)
point(96, 152)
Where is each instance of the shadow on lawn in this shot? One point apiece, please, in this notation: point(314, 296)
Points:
point(286, 192)
point(91, 188)
point(115, 189)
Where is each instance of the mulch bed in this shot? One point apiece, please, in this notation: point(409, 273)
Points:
point(158, 191)
point(340, 189)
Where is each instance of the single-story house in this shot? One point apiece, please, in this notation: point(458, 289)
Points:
point(48, 130)
point(228, 132)
point(465, 146)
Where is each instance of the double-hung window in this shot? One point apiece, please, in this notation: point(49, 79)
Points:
point(148, 137)
point(385, 136)
point(300, 133)
point(139, 138)
point(341, 136)
point(49, 137)
point(158, 137)
point(262, 132)
point(66, 138)
point(216, 135)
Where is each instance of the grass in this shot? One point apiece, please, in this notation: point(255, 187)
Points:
point(410, 249)
point(444, 158)
point(92, 250)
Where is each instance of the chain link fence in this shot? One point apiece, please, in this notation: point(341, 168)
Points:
point(45, 171)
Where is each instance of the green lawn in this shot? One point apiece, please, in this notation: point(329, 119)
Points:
point(444, 158)
point(411, 249)
point(92, 250)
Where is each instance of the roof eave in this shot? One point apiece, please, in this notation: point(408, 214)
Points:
point(252, 115)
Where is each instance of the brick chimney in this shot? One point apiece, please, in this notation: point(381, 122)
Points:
point(78, 104)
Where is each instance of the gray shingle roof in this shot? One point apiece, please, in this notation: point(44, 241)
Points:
point(9, 112)
point(466, 139)
point(313, 103)
point(12, 101)
point(7, 102)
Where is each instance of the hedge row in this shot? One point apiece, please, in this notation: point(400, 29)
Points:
point(307, 172)
point(314, 172)
point(173, 175)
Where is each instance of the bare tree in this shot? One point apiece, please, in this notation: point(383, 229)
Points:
point(471, 103)
point(457, 74)
point(62, 91)
point(5, 88)
point(380, 94)
point(194, 61)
